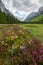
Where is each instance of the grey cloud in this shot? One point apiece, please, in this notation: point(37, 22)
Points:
point(27, 3)
point(17, 4)
point(23, 5)
point(41, 1)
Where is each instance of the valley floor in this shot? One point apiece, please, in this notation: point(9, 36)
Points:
point(20, 44)
point(35, 29)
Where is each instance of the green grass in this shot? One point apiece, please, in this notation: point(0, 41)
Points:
point(35, 29)
point(38, 19)
point(17, 37)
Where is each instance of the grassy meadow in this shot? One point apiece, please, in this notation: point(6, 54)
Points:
point(21, 44)
point(35, 29)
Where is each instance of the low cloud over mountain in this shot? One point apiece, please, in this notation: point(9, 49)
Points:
point(22, 8)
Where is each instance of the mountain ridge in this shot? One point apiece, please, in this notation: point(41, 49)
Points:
point(30, 16)
point(34, 14)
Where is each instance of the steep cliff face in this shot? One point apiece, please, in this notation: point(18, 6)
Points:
point(2, 7)
point(41, 10)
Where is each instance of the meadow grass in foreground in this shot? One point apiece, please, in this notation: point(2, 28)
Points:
point(18, 45)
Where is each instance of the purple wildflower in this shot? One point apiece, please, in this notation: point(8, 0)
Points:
point(41, 58)
point(35, 53)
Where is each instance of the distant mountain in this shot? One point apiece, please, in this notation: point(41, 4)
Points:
point(7, 19)
point(2, 7)
point(6, 16)
point(29, 17)
point(41, 10)
point(34, 14)
point(38, 20)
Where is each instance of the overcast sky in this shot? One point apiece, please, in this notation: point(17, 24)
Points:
point(21, 8)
